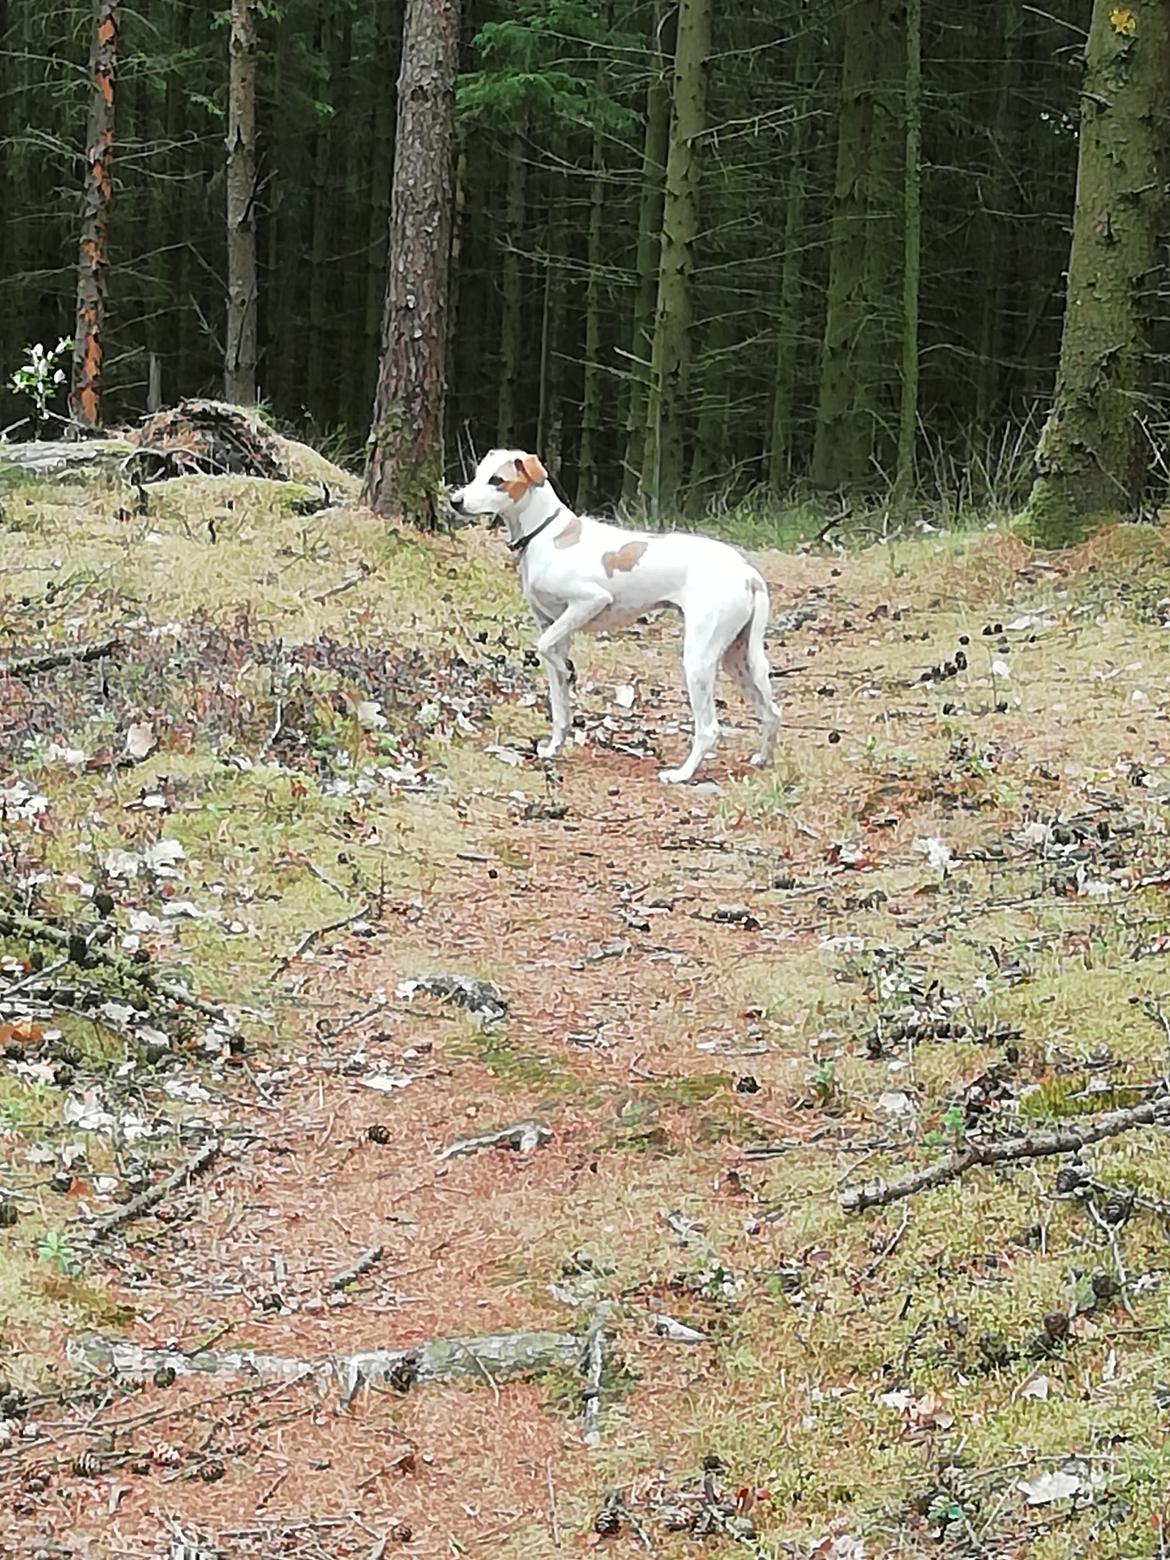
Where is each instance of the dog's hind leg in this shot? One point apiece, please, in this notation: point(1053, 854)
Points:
point(702, 648)
point(745, 661)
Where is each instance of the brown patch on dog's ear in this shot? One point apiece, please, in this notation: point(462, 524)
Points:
point(625, 559)
point(571, 535)
point(533, 468)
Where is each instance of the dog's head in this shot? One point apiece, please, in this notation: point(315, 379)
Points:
point(502, 481)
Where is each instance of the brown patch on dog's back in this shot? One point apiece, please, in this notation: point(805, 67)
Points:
point(624, 559)
point(571, 535)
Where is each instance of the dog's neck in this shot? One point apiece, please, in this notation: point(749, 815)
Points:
point(538, 508)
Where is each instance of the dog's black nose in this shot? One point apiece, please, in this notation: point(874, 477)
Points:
point(456, 502)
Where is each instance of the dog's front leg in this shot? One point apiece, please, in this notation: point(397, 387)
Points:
point(553, 649)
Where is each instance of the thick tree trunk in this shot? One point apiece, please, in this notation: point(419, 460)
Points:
point(790, 286)
point(239, 373)
point(655, 146)
point(1091, 462)
point(911, 254)
point(593, 384)
point(859, 250)
point(512, 332)
point(667, 412)
point(405, 468)
point(85, 391)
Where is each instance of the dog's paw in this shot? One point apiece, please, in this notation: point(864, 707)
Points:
point(673, 776)
point(759, 760)
point(549, 749)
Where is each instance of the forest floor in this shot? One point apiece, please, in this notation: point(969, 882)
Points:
point(305, 776)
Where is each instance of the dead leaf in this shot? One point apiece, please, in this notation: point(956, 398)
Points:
point(1123, 21)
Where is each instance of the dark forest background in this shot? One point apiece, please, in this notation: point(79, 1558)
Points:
point(561, 143)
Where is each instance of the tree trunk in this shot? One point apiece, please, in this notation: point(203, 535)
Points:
point(911, 254)
point(592, 390)
point(239, 371)
point(320, 378)
point(666, 414)
point(997, 200)
point(859, 235)
point(1091, 459)
point(85, 392)
point(550, 427)
point(405, 469)
point(381, 162)
point(655, 146)
point(792, 265)
point(512, 332)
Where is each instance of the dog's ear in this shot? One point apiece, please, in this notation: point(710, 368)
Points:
point(533, 469)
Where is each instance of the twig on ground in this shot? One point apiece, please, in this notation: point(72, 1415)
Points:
point(64, 655)
point(368, 1259)
point(351, 578)
point(311, 936)
point(206, 1153)
point(1110, 1235)
point(874, 1194)
point(554, 1525)
point(523, 1137)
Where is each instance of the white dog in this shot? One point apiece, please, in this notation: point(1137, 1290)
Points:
point(582, 573)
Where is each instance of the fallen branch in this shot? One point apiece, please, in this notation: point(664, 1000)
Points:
point(368, 1259)
point(16, 924)
point(1041, 1145)
point(593, 1364)
point(203, 1156)
point(64, 655)
point(523, 1137)
point(499, 1356)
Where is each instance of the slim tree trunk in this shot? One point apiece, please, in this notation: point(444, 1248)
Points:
point(239, 373)
point(666, 419)
point(405, 468)
point(997, 198)
point(512, 332)
point(592, 391)
point(792, 266)
point(911, 252)
point(85, 391)
point(550, 428)
point(655, 146)
point(1091, 461)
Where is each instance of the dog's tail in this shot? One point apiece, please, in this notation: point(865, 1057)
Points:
point(757, 623)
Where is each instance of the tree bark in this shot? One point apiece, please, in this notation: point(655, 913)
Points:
point(381, 163)
point(241, 341)
point(1091, 460)
point(592, 391)
point(860, 233)
point(792, 266)
point(512, 333)
point(997, 202)
point(911, 255)
point(405, 467)
point(667, 411)
point(85, 391)
point(655, 146)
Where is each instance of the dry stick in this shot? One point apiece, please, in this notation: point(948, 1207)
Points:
point(875, 1194)
point(368, 1259)
point(198, 1162)
point(311, 937)
point(594, 1364)
point(16, 924)
point(25, 665)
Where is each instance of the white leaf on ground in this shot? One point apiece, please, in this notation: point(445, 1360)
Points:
point(386, 1083)
point(506, 755)
point(1053, 1484)
point(140, 739)
point(624, 696)
point(937, 852)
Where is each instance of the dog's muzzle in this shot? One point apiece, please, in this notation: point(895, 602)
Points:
point(456, 502)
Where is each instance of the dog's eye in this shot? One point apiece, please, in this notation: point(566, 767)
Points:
point(495, 482)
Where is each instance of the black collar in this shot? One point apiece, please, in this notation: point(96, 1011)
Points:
point(521, 543)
